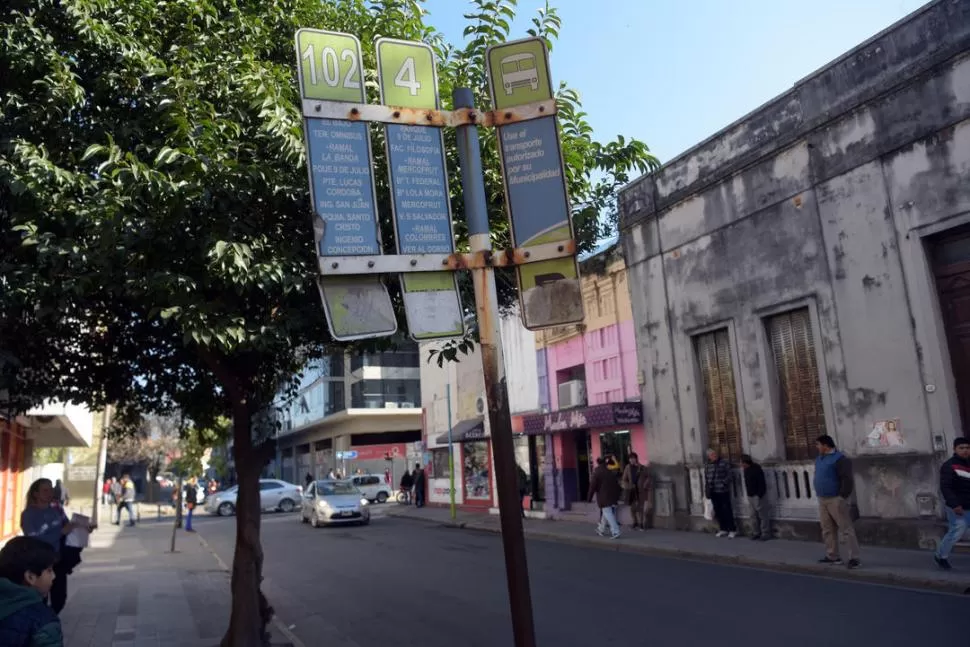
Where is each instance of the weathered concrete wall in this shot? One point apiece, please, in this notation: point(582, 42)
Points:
point(821, 198)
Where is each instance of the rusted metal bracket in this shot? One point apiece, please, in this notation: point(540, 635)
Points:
point(436, 118)
point(406, 263)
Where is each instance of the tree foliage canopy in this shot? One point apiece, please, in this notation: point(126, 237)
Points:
point(156, 234)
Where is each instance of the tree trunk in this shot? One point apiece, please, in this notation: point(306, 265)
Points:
point(245, 625)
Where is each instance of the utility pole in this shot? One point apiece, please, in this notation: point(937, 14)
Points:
point(99, 469)
point(451, 457)
point(493, 367)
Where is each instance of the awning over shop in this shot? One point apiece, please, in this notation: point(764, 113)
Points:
point(614, 414)
point(465, 431)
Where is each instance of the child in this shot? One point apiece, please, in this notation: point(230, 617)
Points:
point(26, 575)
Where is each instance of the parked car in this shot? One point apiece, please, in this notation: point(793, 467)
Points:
point(329, 502)
point(273, 495)
point(374, 487)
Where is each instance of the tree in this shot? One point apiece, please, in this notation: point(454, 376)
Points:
point(156, 245)
point(154, 443)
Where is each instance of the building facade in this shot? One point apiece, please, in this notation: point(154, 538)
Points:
point(453, 399)
point(587, 388)
point(804, 271)
point(352, 412)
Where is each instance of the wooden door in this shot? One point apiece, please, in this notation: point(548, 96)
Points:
point(951, 265)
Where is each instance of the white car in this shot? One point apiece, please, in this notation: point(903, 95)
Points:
point(328, 502)
point(273, 495)
point(372, 486)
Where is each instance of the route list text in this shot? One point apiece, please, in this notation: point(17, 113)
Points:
point(420, 190)
point(343, 186)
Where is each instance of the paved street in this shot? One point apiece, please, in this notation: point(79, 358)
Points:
point(400, 581)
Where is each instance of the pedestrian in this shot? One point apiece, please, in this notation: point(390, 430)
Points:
point(419, 486)
point(332, 475)
point(833, 487)
point(26, 579)
point(637, 486)
point(757, 488)
point(523, 487)
point(604, 486)
point(407, 482)
point(191, 500)
point(106, 491)
point(717, 486)
point(955, 488)
point(116, 492)
point(61, 496)
point(45, 520)
point(308, 480)
point(125, 500)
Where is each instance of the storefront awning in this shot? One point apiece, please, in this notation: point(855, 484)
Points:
point(465, 431)
point(614, 414)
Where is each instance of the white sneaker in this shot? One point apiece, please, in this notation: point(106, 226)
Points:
point(600, 532)
point(615, 536)
point(721, 533)
point(732, 535)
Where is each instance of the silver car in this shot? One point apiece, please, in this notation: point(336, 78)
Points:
point(273, 495)
point(329, 502)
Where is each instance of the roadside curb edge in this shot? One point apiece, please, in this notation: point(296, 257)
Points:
point(283, 629)
point(829, 572)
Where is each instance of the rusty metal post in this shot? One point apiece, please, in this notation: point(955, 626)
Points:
point(490, 340)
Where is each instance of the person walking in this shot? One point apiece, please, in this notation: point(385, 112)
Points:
point(419, 486)
point(604, 486)
point(307, 481)
point(833, 487)
point(407, 482)
point(955, 488)
point(126, 500)
point(757, 489)
point(44, 520)
point(523, 483)
point(26, 579)
point(717, 487)
point(636, 485)
point(191, 500)
point(106, 491)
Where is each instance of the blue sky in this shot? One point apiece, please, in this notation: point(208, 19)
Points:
point(673, 73)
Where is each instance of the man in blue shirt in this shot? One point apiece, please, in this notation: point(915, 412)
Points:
point(833, 487)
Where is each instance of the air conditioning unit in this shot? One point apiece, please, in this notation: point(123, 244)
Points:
point(390, 405)
point(572, 394)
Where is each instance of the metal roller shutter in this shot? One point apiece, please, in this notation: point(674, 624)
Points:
point(800, 395)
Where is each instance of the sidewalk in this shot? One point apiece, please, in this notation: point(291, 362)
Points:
point(129, 591)
point(894, 566)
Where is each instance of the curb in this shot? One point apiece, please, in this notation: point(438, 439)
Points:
point(282, 628)
point(829, 572)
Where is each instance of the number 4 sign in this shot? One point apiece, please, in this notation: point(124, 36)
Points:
point(419, 188)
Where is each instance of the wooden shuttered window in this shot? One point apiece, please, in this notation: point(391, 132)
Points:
point(720, 397)
point(800, 396)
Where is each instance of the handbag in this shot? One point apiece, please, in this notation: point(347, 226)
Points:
point(708, 510)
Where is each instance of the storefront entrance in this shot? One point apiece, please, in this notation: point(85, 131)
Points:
point(616, 443)
point(584, 462)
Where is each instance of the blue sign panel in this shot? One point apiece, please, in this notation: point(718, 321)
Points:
point(347, 456)
point(420, 190)
point(343, 186)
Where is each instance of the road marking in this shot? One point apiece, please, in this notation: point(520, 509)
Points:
point(276, 621)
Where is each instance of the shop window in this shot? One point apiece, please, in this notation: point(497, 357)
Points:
point(475, 471)
point(616, 443)
point(802, 417)
point(720, 398)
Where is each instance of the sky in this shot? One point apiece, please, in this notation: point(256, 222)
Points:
point(672, 73)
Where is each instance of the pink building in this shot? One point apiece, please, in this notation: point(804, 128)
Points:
point(588, 387)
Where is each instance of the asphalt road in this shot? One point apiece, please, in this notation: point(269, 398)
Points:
point(399, 582)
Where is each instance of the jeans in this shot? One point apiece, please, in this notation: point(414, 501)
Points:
point(723, 511)
point(129, 506)
point(57, 597)
point(958, 527)
point(188, 518)
point(608, 516)
point(759, 515)
point(418, 498)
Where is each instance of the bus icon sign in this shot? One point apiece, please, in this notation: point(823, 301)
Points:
point(519, 70)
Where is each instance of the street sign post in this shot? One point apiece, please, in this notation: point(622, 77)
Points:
point(340, 165)
point(535, 183)
point(419, 188)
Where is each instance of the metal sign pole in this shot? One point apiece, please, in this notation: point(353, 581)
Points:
point(490, 341)
point(451, 458)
